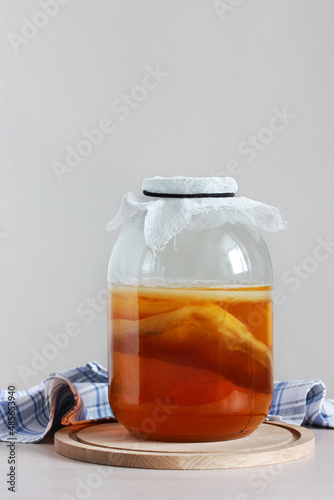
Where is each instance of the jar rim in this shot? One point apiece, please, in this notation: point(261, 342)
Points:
point(190, 186)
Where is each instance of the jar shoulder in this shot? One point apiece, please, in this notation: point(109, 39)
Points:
point(215, 249)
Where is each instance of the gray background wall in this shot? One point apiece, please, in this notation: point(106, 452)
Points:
point(231, 69)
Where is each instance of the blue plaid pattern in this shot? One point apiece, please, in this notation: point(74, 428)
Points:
point(81, 395)
point(76, 395)
point(302, 402)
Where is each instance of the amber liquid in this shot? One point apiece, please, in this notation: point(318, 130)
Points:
point(190, 364)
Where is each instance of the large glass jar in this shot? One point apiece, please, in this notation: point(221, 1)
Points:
point(190, 330)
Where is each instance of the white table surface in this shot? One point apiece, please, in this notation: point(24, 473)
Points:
point(44, 474)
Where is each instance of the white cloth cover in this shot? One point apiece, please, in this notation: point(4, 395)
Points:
point(166, 217)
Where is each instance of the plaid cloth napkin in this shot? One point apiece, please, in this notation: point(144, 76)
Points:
point(81, 395)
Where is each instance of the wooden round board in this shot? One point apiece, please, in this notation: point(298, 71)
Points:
point(112, 444)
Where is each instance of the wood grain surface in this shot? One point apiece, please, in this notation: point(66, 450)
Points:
point(112, 444)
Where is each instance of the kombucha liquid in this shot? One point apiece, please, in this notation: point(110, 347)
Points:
point(190, 364)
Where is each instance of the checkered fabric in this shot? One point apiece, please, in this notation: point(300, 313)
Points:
point(81, 395)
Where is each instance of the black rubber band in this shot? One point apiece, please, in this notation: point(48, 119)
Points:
point(199, 195)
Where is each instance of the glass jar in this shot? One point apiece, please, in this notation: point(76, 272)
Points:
point(190, 330)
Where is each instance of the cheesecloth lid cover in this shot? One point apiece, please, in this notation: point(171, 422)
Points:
point(171, 202)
